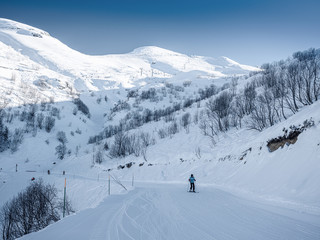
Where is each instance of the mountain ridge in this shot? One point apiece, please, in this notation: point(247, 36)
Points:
point(54, 55)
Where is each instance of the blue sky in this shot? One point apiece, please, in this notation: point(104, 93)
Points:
point(248, 31)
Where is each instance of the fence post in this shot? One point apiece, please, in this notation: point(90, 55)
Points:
point(132, 179)
point(109, 185)
point(64, 198)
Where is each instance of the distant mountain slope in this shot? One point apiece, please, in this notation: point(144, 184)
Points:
point(29, 54)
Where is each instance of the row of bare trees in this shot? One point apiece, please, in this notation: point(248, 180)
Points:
point(280, 90)
point(125, 144)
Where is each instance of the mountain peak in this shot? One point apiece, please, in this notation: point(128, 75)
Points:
point(153, 51)
point(21, 28)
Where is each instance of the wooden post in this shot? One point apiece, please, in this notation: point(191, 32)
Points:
point(64, 198)
point(109, 185)
point(132, 179)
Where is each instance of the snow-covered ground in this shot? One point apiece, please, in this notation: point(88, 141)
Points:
point(168, 211)
point(246, 192)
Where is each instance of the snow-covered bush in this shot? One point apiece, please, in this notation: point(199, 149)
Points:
point(185, 121)
point(16, 139)
point(61, 149)
point(61, 137)
point(4, 137)
point(82, 107)
point(149, 94)
point(39, 120)
point(98, 157)
point(49, 123)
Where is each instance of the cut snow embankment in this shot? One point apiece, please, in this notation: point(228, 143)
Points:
point(240, 162)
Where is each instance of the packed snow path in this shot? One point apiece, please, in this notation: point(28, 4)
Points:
point(163, 211)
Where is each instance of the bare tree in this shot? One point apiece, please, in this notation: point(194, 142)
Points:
point(32, 210)
point(185, 121)
point(99, 158)
point(218, 109)
point(249, 97)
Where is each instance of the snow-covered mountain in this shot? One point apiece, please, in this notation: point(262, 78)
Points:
point(64, 111)
point(32, 56)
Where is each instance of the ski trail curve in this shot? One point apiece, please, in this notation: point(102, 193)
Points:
point(163, 211)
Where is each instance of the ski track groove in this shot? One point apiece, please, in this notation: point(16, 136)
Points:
point(161, 212)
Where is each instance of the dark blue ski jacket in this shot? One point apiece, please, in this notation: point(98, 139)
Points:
point(192, 179)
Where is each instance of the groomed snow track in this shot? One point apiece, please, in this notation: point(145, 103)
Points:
point(163, 211)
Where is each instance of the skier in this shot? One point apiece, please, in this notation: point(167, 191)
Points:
point(192, 180)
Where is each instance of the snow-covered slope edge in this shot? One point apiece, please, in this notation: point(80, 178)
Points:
point(242, 163)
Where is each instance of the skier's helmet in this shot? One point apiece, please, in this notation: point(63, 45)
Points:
point(191, 175)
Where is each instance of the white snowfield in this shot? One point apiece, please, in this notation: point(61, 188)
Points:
point(168, 211)
point(245, 191)
point(32, 56)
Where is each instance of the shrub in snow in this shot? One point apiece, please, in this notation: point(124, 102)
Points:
point(173, 128)
point(55, 112)
point(78, 131)
point(4, 137)
point(147, 115)
point(32, 210)
point(149, 94)
point(75, 111)
point(16, 139)
point(39, 120)
point(185, 120)
point(120, 105)
point(118, 148)
point(61, 137)
point(23, 116)
point(132, 94)
point(43, 106)
point(186, 83)
point(162, 133)
point(98, 157)
point(208, 91)
point(61, 151)
point(106, 146)
point(82, 107)
point(188, 102)
point(218, 110)
point(49, 123)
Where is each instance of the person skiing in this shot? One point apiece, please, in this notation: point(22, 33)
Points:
point(192, 180)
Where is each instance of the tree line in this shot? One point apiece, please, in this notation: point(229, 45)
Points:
point(281, 89)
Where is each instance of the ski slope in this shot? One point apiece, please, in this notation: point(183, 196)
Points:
point(166, 211)
point(277, 193)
